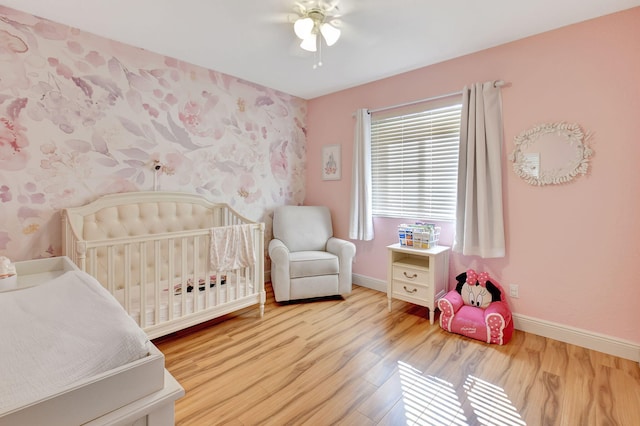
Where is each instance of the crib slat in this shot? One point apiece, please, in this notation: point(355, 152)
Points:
point(110, 270)
point(93, 262)
point(196, 277)
point(142, 285)
point(127, 279)
point(208, 273)
point(184, 279)
point(157, 292)
point(170, 275)
point(245, 283)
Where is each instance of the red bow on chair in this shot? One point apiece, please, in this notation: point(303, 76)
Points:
point(481, 278)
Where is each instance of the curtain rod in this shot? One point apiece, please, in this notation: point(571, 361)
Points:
point(497, 83)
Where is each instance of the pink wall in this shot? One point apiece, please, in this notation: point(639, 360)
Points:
point(573, 249)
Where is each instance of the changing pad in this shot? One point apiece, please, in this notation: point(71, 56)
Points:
point(60, 332)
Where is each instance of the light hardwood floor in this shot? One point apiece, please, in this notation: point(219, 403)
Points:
point(351, 362)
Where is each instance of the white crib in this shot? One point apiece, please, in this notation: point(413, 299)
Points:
point(152, 251)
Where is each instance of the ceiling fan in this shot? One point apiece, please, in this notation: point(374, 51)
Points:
point(316, 21)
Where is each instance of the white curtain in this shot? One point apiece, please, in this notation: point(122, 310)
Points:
point(361, 220)
point(479, 218)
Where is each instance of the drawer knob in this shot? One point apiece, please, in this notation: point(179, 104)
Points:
point(410, 276)
point(413, 290)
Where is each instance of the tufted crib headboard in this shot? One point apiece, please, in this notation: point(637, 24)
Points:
point(135, 219)
point(139, 213)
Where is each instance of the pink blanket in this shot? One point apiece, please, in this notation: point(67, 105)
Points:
point(231, 247)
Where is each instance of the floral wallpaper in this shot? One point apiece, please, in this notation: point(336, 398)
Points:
point(82, 116)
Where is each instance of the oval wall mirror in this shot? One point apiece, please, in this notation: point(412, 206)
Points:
point(551, 153)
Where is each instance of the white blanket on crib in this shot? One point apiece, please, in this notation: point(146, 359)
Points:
point(61, 332)
point(231, 247)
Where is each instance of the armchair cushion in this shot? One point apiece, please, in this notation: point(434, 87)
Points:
point(302, 228)
point(313, 263)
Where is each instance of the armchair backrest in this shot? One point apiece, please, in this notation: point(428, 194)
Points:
point(302, 228)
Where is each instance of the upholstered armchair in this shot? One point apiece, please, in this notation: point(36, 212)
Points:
point(477, 309)
point(307, 261)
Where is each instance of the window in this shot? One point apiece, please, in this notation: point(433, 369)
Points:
point(414, 161)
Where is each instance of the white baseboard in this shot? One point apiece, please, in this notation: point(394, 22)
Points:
point(579, 337)
point(563, 333)
point(372, 283)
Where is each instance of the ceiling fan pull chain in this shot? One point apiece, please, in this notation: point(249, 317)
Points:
point(319, 52)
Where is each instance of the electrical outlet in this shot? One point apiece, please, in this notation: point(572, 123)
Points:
point(513, 291)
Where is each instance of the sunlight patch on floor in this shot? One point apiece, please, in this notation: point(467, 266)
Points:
point(491, 404)
point(429, 400)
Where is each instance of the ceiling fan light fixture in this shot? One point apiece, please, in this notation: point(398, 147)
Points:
point(330, 33)
point(310, 43)
point(303, 27)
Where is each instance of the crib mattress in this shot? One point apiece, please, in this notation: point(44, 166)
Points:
point(194, 301)
point(67, 340)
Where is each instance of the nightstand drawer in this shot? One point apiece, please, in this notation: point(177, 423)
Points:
point(404, 290)
point(409, 274)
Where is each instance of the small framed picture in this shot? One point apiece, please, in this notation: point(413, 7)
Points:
point(331, 162)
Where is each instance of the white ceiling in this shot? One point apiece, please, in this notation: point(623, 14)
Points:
point(254, 39)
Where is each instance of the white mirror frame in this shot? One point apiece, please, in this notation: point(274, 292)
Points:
point(530, 166)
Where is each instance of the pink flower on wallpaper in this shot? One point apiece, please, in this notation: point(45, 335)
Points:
point(59, 166)
point(69, 103)
point(12, 142)
point(153, 112)
point(75, 47)
point(61, 69)
point(241, 185)
point(5, 194)
point(50, 30)
point(31, 195)
point(95, 59)
point(30, 219)
point(279, 161)
point(202, 120)
point(171, 99)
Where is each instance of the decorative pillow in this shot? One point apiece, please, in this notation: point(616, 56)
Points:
point(477, 289)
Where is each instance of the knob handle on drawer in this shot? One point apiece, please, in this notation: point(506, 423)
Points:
point(413, 290)
point(410, 276)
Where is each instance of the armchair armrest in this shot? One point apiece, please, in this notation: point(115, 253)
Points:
point(449, 304)
point(345, 250)
point(499, 308)
point(279, 254)
point(342, 248)
point(497, 316)
point(455, 299)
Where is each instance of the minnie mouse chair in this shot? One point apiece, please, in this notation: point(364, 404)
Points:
point(477, 309)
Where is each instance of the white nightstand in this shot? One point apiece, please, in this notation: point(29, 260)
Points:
point(418, 276)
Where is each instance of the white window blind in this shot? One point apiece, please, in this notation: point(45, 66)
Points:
point(414, 161)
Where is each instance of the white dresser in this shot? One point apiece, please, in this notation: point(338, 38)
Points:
point(418, 276)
